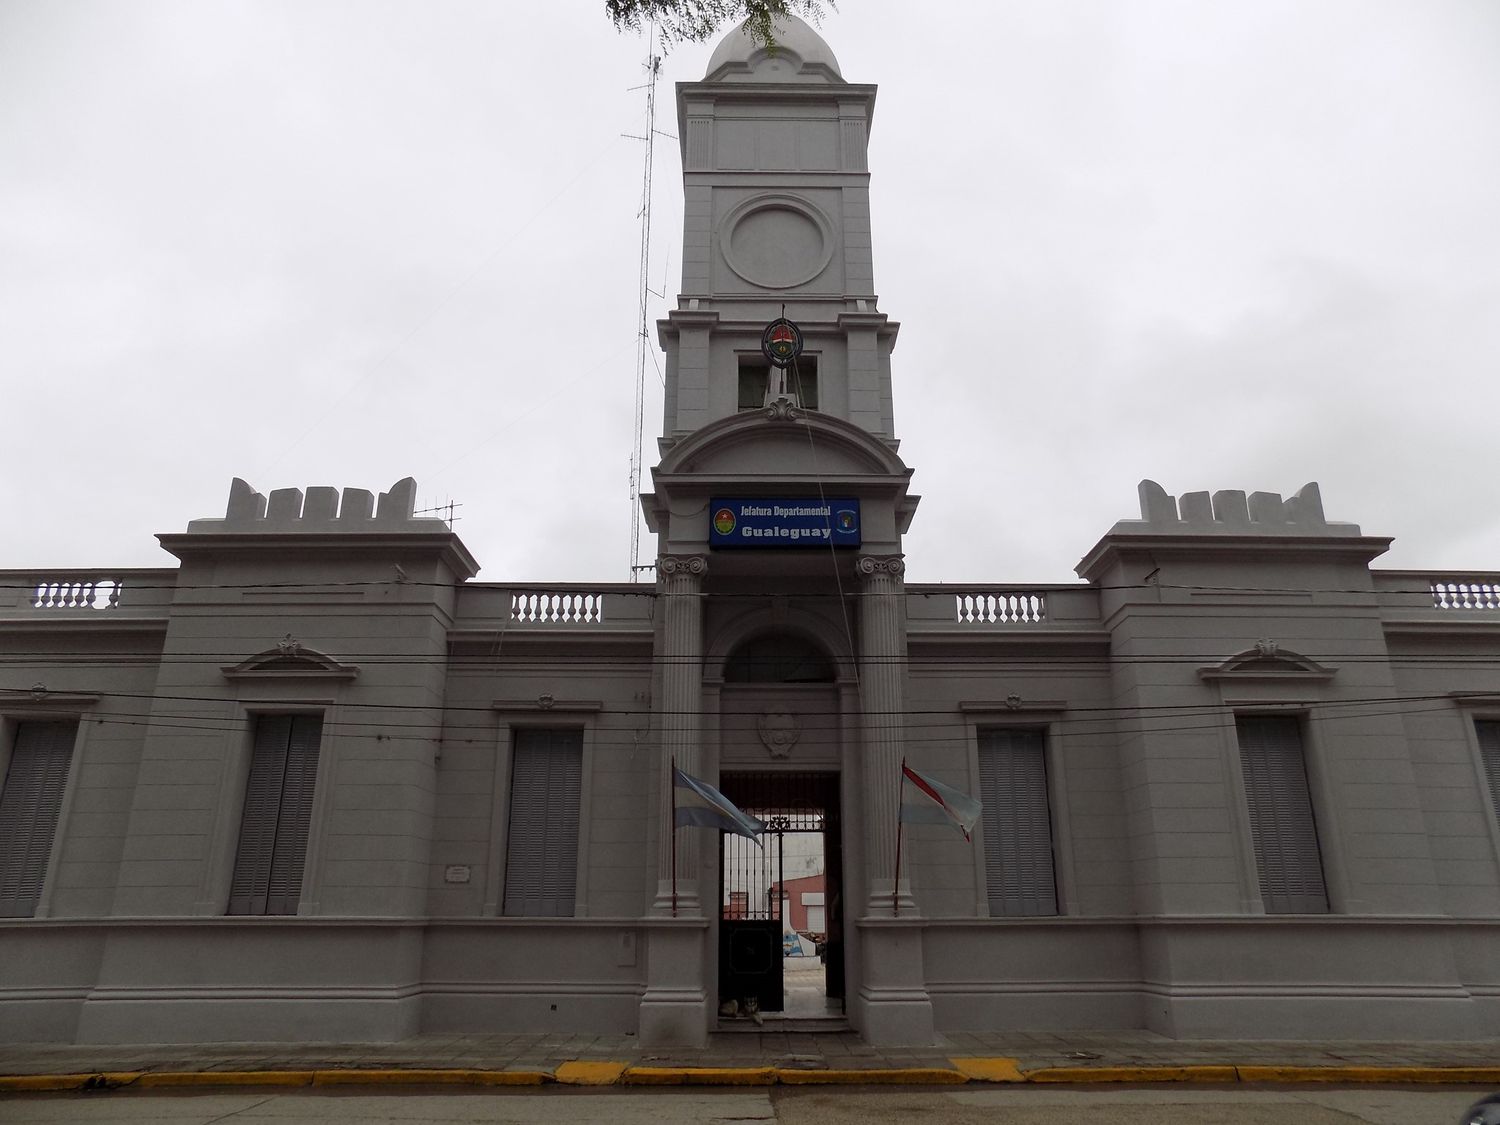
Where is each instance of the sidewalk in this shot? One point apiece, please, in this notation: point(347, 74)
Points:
point(760, 1057)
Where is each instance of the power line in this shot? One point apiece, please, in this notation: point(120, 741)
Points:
point(441, 657)
point(1077, 712)
point(631, 739)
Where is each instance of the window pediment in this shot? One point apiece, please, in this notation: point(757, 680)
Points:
point(290, 659)
point(1266, 660)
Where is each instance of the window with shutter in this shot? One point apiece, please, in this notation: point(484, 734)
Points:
point(278, 811)
point(1282, 827)
point(29, 806)
point(756, 381)
point(1017, 825)
point(1489, 752)
point(541, 853)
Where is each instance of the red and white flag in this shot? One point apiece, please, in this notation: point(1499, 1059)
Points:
point(925, 801)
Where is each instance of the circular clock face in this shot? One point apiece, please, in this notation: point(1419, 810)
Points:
point(781, 342)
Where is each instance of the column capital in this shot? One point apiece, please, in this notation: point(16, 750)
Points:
point(672, 565)
point(869, 566)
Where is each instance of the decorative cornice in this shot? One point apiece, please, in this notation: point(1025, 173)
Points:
point(445, 544)
point(1229, 547)
point(39, 695)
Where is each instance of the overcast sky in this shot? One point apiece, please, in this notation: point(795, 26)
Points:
point(342, 242)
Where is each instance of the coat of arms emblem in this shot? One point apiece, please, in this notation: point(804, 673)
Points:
point(779, 731)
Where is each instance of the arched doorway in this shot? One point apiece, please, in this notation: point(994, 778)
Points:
point(781, 910)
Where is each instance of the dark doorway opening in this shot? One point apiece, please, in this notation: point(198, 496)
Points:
point(781, 944)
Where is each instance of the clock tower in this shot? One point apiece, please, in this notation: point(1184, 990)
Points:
point(779, 506)
point(777, 216)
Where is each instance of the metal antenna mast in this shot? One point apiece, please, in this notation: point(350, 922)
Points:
point(643, 342)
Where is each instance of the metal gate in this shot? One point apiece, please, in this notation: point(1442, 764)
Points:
point(752, 884)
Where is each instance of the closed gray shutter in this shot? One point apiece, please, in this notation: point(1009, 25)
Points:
point(298, 783)
point(541, 853)
point(278, 810)
point(1489, 752)
point(1017, 825)
point(29, 807)
point(1281, 815)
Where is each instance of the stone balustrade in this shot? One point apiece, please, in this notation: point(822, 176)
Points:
point(83, 593)
point(1422, 596)
point(1466, 593)
point(557, 607)
point(946, 607)
point(610, 606)
point(133, 592)
point(1001, 607)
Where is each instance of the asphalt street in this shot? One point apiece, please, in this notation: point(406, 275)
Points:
point(779, 1106)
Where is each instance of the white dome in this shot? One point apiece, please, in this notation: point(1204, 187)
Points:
point(800, 56)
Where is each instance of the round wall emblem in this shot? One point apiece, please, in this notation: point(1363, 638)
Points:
point(781, 342)
point(724, 521)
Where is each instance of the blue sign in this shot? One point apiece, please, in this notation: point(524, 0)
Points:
point(785, 522)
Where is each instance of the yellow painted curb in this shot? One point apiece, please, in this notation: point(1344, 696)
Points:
point(902, 1076)
point(580, 1073)
point(36, 1083)
point(414, 1077)
point(989, 1070)
point(1455, 1075)
point(225, 1078)
point(510, 1077)
point(698, 1076)
point(1087, 1074)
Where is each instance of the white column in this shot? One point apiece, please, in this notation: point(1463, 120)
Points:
point(678, 1005)
point(893, 1004)
point(882, 675)
point(679, 722)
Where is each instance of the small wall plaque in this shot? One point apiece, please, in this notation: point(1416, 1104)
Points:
point(456, 873)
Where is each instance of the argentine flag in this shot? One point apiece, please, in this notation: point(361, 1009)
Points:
point(714, 811)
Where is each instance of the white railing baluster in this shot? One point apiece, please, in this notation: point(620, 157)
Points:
point(75, 593)
point(1001, 607)
point(561, 607)
point(1466, 594)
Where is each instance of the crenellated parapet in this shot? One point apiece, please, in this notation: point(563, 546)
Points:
point(321, 510)
point(1231, 512)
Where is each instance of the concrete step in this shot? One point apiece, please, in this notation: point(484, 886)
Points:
point(775, 1021)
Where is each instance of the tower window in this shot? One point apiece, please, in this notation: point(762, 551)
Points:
point(757, 377)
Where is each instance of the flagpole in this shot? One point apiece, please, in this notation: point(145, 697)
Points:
point(672, 785)
point(896, 881)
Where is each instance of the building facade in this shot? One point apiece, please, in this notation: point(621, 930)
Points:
point(315, 782)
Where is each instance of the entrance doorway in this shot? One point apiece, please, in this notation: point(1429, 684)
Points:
point(781, 944)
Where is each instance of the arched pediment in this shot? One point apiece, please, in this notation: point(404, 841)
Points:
point(291, 659)
point(807, 628)
point(1267, 660)
point(783, 440)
